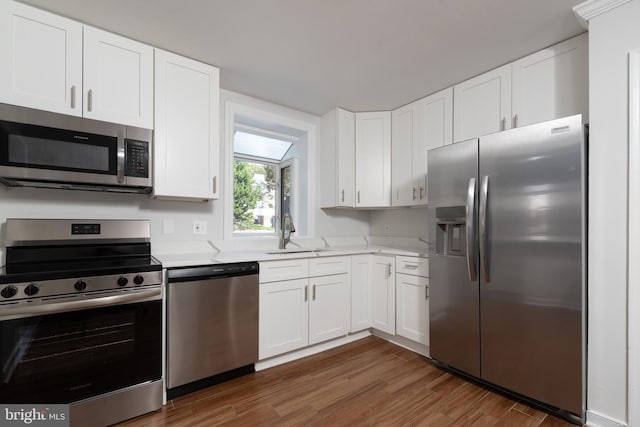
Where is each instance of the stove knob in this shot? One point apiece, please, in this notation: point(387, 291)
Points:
point(31, 290)
point(138, 280)
point(9, 291)
point(122, 281)
point(80, 285)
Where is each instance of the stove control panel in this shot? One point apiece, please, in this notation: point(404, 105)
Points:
point(85, 285)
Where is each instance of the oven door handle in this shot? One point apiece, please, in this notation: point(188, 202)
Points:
point(30, 310)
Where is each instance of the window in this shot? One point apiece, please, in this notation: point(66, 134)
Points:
point(262, 182)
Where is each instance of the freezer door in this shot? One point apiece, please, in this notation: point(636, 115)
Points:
point(531, 255)
point(453, 263)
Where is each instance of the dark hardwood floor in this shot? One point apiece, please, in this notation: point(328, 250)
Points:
point(368, 382)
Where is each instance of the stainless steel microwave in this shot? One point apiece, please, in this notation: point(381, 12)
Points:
point(43, 149)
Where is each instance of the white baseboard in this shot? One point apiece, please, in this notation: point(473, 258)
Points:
point(308, 351)
point(595, 419)
point(403, 342)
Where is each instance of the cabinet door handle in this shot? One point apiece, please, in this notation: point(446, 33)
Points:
point(306, 293)
point(421, 193)
point(388, 270)
point(503, 124)
point(215, 184)
point(414, 193)
point(426, 292)
point(515, 121)
point(73, 96)
point(313, 297)
point(343, 195)
point(90, 100)
point(358, 196)
point(411, 266)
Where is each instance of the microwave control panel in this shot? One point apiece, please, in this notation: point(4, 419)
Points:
point(137, 159)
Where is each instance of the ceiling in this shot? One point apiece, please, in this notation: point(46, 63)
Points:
point(314, 55)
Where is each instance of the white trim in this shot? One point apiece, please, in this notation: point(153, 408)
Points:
point(403, 342)
point(595, 419)
point(592, 8)
point(633, 269)
point(308, 351)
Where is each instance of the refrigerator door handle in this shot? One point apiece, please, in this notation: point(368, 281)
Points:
point(469, 210)
point(484, 192)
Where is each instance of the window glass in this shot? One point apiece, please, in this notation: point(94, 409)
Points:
point(254, 197)
point(253, 145)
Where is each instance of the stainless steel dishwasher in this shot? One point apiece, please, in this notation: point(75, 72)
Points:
point(212, 324)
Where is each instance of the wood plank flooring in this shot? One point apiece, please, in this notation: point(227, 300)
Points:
point(370, 382)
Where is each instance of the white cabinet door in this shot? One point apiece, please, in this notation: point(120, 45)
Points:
point(412, 316)
point(346, 134)
point(361, 298)
point(383, 283)
point(403, 137)
point(41, 59)
point(416, 129)
point(187, 147)
point(482, 105)
point(438, 122)
point(328, 307)
point(118, 79)
point(284, 317)
point(336, 159)
point(373, 159)
point(552, 83)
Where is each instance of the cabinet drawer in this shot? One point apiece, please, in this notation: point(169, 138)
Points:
point(412, 265)
point(326, 266)
point(273, 271)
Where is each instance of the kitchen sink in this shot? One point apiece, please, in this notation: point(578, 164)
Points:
point(294, 251)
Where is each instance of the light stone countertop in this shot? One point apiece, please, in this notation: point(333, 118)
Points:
point(184, 254)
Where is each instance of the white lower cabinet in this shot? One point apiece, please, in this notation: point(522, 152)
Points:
point(383, 285)
point(284, 317)
point(412, 307)
point(304, 310)
point(328, 307)
point(361, 308)
point(412, 298)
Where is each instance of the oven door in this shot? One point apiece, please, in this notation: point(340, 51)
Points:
point(72, 355)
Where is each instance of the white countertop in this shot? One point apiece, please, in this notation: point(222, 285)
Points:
point(182, 254)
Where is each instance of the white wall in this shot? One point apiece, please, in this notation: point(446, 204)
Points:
point(611, 36)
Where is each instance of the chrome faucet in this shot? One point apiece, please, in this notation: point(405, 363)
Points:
point(285, 230)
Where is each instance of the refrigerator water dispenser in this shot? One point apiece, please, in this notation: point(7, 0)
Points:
point(451, 231)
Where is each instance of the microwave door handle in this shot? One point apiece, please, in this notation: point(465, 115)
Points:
point(120, 157)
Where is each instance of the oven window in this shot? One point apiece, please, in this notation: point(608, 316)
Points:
point(63, 358)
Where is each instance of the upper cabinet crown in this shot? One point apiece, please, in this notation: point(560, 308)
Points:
point(546, 85)
point(48, 67)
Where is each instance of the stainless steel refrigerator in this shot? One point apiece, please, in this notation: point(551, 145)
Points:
point(507, 215)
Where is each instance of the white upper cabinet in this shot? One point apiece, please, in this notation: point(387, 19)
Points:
point(118, 79)
point(55, 64)
point(552, 83)
point(417, 128)
point(187, 147)
point(41, 59)
point(482, 105)
point(373, 159)
point(337, 154)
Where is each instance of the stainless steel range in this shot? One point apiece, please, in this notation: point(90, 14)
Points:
point(81, 318)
